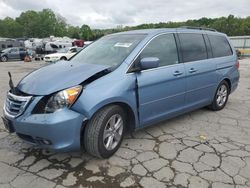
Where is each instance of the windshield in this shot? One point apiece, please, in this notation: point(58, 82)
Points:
point(6, 50)
point(63, 50)
point(109, 50)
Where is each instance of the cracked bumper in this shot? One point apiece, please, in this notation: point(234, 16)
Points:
point(61, 129)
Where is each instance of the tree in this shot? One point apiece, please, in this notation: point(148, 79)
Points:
point(46, 23)
point(29, 21)
point(85, 32)
point(10, 28)
point(73, 32)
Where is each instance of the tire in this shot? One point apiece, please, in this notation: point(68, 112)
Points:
point(96, 142)
point(63, 58)
point(221, 96)
point(4, 58)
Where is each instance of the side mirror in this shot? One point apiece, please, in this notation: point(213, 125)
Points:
point(149, 63)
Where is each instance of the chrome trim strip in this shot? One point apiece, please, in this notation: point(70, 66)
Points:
point(24, 101)
point(19, 98)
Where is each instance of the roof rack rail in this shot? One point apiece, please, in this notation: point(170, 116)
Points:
point(199, 28)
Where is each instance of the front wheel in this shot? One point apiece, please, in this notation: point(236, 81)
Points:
point(4, 59)
point(103, 134)
point(221, 97)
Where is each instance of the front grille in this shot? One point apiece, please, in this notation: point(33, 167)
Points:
point(15, 105)
point(47, 58)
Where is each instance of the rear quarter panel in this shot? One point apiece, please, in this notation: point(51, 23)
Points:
point(226, 69)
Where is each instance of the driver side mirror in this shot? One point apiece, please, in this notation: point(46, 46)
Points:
point(149, 63)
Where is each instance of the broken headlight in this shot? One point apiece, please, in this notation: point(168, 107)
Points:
point(62, 99)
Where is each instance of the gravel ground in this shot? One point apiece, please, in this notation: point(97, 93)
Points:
point(199, 149)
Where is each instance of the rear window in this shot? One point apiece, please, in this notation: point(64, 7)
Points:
point(193, 47)
point(220, 46)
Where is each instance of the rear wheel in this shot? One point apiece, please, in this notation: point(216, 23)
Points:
point(4, 58)
point(221, 97)
point(104, 132)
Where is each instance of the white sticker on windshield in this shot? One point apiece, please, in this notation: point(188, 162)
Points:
point(124, 45)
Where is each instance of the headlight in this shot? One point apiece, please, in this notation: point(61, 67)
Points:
point(62, 99)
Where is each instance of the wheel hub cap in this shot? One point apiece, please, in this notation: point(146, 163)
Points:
point(113, 132)
point(221, 95)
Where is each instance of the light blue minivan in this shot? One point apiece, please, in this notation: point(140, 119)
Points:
point(123, 81)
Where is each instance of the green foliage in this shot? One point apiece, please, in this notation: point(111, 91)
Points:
point(85, 32)
point(46, 23)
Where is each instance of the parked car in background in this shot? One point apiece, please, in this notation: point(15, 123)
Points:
point(124, 81)
point(62, 54)
point(15, 53)
point(78, 43)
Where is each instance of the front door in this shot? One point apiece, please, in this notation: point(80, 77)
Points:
point(161, 90)
point(14, 54)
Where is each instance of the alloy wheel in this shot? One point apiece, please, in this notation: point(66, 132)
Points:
point(221, 96)
point(113, 132)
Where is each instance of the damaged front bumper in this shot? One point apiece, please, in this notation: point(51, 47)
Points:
point(60, 131)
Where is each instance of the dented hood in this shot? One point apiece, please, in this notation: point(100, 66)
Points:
point(58, 76)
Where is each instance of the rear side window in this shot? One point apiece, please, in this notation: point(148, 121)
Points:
point(162, 47)
point(220, 46)
point(193, 47)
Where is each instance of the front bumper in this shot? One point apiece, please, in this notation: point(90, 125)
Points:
point(59, 131)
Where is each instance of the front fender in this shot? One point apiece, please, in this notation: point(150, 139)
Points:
point(109, 89)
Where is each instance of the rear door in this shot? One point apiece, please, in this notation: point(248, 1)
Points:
point(161, 91)
point(200, 69)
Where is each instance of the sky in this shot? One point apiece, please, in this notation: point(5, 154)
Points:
point(99, 14)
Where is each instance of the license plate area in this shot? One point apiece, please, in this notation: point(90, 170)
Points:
point(8, 125)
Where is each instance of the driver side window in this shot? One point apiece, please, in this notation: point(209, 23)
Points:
point(162, 47)
point(13, 50)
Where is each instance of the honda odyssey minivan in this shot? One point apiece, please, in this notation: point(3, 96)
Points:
point(123, 81)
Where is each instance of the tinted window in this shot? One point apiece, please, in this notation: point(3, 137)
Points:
point(193, 47)
point(14, 50)
point(220, 46)
point(162, 47)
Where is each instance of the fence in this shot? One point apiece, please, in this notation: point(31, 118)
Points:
point(242, 43)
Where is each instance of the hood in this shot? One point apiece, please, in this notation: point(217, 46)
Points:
point(58, 76)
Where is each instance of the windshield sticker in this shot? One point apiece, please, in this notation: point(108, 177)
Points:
point(124, 45)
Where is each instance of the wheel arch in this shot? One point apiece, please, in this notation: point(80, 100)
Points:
point(227, 79)
point(128, 110)
point(229, 83)
point(63, 57)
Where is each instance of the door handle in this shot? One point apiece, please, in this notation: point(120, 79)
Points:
point(192, 70)
point(177, 73)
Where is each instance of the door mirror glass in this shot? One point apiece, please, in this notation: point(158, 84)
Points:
point(149, 63)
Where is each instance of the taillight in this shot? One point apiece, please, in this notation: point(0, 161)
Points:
point(238, 64)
